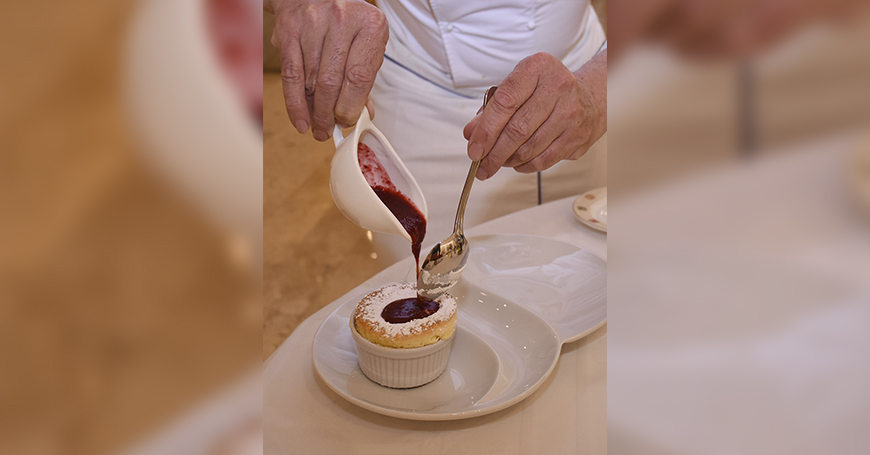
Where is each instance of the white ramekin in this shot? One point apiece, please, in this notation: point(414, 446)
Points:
point(401, 368)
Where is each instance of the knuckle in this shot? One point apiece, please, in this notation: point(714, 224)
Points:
point(524, 153)
point(374, 20)
point(293, 75)
point(541, 57)
point(338, 11)
point(284, 32)
point(517, 130)
point(482, 135)
point(377, 21)
point(311, 15)
point(294, 103)
point(538, 61)
point(536, 165)
point(359, 75)
point(329, 82)
point(506, 102)
point(323, 120)
point(531, 60)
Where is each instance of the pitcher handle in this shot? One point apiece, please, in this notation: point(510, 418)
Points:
point(337, 136)
point(364, 122)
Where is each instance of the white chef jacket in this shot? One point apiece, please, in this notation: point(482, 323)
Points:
point(441, 57)
point(468, 44)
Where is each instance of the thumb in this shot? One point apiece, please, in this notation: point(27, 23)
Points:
point(469, 128)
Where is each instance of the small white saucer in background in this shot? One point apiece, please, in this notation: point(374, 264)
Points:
point(591, 208)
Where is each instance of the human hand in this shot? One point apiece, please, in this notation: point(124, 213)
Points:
point(331, 51)
point(540, 114)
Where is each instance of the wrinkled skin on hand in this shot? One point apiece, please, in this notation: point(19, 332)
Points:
point(540, 114)
point(331, 51)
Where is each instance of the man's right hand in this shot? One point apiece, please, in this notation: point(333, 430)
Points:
point(331, 51)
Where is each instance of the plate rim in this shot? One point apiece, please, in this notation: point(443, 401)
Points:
point(601, 226)
point(420, 416)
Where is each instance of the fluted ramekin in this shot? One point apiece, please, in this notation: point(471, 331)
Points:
point(401, 368)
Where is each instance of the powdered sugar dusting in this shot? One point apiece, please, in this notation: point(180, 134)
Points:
point(372, 306)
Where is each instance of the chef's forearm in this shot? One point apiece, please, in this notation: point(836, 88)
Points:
point(593, 76)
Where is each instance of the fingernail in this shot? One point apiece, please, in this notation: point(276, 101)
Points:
point(475, 151)
point(320, 135)
point(302, 126)
point(481, 174)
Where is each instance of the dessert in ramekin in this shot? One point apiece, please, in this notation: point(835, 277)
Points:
point(403, 341)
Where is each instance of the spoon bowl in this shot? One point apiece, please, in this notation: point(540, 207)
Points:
point(351, 192)
point(443, 266)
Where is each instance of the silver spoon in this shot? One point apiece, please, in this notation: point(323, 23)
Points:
point(444, 263)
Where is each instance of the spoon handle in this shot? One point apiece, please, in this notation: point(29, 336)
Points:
point(463, 200)
point(469, 180)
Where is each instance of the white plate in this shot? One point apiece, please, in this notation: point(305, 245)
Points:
point(520, 298)
point(591, 208)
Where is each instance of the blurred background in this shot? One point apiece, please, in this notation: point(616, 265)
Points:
point(677, 113)
point(129, 251)
point(143, 196)
point(739, 271)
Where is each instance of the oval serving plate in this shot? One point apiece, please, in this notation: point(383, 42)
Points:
point(505, 347)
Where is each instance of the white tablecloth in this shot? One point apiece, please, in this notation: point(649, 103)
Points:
point(566, 415)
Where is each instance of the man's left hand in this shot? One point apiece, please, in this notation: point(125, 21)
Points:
point(540, 114)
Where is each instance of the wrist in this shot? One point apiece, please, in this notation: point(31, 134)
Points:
point(592, 80)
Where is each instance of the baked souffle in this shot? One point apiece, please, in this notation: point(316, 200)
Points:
point(395, 317)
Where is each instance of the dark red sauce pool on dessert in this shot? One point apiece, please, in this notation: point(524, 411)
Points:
point(405, 310)
point(405, 211)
